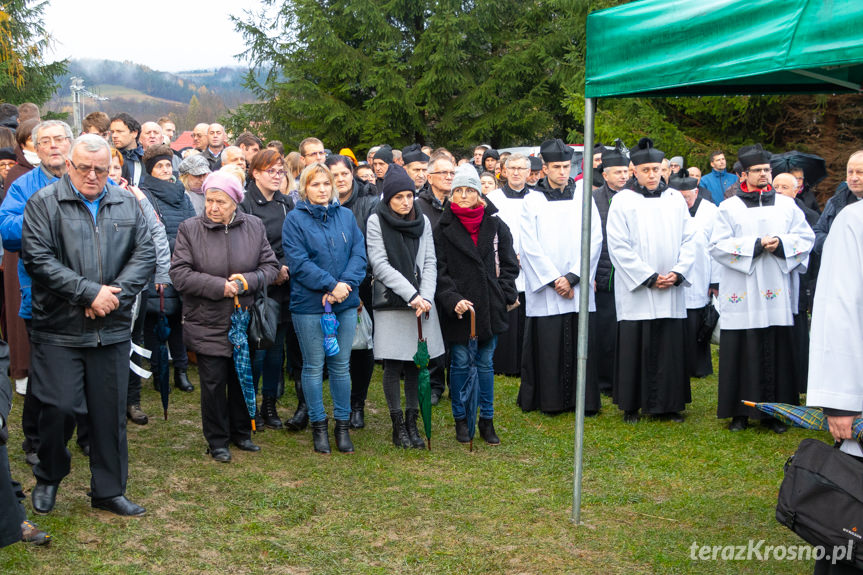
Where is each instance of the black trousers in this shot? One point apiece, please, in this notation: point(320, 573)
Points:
point(30, 419)
point(362, 366)
point(224, 415)
point(11, 510)
point(71, 381)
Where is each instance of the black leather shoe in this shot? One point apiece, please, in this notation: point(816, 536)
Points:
point(247, 445)
point(343, 436)
point(630, 417)
point(461, 432)
point(220, 454)
point(181, 380)
point(43, 497)
point(358, 416)
point(738, 423)
point(320, 436)
point(118, 506)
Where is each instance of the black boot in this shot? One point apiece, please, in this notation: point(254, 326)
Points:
point(486, 431)
point(271, 416)
point(321, 436)
point(301, 416)
point(461, 432)
point(416, 441)
point(343, 437)
point(259, 421)
point(400, 434)
point(358, 416)
point(181, 381)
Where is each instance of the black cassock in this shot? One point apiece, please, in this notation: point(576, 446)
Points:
point(699, 363)
point(606, 339)
point(756, 365)
point(650, 370)
point(549, 364)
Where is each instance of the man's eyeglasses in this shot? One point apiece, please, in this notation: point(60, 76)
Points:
point(56, 140)
point(759, 170)
point(445, 174)
point(85, 170)
point(320, 154)
point(518, 169)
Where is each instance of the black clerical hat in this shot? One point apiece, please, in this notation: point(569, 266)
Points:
point(645, 153)
point(555, 151)
point(614, 157)
point(749, 156)
point(414, 153)
point(682, 181)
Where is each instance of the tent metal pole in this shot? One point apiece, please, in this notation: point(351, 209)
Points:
point(583, 307)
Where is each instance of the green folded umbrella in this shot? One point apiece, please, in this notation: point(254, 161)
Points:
point(421, 359)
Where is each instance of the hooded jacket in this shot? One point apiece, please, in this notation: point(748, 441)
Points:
point(323, 246)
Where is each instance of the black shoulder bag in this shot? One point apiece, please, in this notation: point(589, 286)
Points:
point(264, 317)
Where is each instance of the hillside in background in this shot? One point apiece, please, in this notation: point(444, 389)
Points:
point(188, 97)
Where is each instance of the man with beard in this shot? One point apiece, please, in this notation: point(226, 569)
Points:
point(550, 245)
point(615, 173)
point(416, 165)
point(760, 238)
point(509, 200)
point(704, 277)
point(651, 244)
point(124, 135)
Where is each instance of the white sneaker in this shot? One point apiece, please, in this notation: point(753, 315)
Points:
point(21, 386)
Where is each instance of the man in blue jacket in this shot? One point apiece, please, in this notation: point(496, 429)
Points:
point(718, 180)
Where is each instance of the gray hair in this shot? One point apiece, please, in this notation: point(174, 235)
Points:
point(516, 158)
point(47, 124)
point(90, 143)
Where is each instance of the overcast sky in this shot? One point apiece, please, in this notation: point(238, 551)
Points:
point(168, 35)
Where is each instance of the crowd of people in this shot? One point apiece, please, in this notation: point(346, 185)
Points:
point(106, 232)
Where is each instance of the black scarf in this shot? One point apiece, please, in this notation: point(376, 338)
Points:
point(401, 237)
point(638, 188)
point(694, 208)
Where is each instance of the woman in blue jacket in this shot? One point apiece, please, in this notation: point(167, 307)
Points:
point(326, 256)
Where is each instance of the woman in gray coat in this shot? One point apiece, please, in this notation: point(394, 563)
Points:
point(404, 270)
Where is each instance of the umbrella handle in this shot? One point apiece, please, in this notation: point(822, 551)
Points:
point(236, 302)
point(161, 291)
point(420, 325)
point(472, 322)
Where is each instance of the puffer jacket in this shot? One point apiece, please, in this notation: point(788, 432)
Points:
point(323, 246)
point(468, 271)
point(69, 257)
point(205, 255)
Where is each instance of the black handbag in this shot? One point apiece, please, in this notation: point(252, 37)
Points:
point(263, 318)
point(709, 319)
point(821, 499)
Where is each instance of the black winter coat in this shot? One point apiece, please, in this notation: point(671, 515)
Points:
point(836, 204)
point(605, 270)
point(362, 202)
point(430, 207)
point(272, 213)
point(69, 258)
point(468, 271)
point(173, 206)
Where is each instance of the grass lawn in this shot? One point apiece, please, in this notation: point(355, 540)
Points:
point(650, 491)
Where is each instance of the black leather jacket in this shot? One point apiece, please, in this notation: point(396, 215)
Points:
point(69, 258)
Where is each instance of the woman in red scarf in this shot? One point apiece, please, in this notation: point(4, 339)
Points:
point(477, 267)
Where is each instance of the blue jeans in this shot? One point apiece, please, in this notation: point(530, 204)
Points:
point(460, 357)
point(311, 336)
point(269, 363)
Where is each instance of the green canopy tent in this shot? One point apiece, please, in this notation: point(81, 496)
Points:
point(704, 48)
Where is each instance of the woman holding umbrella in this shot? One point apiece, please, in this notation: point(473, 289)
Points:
point(402, 256)
point(326, 254)
point(216, 257)
point(477, 267)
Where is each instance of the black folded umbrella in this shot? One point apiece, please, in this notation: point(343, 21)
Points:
point(814, 167)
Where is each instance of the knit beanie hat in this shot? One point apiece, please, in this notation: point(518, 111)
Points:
point(384, 154)
point(397, 180)
point(225, 182)
point(466, 176)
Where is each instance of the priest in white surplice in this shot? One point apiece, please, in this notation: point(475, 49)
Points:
point(704, 276)
point(550, 239)
point(759, 238)
point(652, 246)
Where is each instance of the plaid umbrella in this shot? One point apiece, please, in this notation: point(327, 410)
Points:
point(421, 360)
point(239, 338)
point(802, 416)
point(469, 393)
point(162, 331)
point(330, 327)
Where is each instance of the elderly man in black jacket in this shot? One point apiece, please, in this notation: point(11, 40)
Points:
point(88, 251)
point(849, 192)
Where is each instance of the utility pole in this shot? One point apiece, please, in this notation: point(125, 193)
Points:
point(77, 88)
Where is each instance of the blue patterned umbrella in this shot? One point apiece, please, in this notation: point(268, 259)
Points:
point(469, 393)
point(330, 326)
point(239, 338)
point(162, 330)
